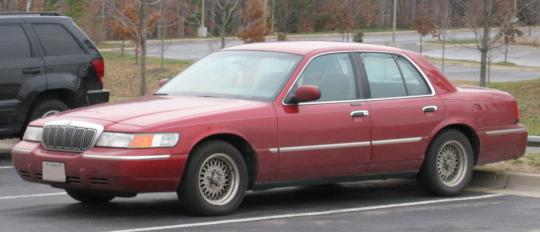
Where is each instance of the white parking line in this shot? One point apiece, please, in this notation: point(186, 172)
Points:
point(307, 214)
point(33, 195)
point(6, 167)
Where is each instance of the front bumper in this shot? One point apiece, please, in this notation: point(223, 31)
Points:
point(104, 169)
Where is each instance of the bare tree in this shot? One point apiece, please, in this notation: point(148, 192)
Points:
point(423, 23)
point(226, 10)
point(136, 24)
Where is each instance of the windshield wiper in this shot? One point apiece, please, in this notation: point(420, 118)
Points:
point(160, 94)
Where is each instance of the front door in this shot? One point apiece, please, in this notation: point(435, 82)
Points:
point(21, 73)
point(330, 136)
point(404, 110)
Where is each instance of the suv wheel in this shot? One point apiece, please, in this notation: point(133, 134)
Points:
point(89, 198)
point(215, 180)
point(448, 166)
point(47, 108)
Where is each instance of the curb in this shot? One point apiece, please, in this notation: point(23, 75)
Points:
point(522, 182)
point(533, 141)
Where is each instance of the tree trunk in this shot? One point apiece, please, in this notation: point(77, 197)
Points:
point(421, 43)
point(142, 34)
point(123, 46)
point(505, 52)
point(484, 46)
point(180, 18)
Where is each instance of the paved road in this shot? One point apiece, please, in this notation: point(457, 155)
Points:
point(527, 56)
point(392, 205)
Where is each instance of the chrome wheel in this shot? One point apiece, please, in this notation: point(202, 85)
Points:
point(218, 179)
point(452, 163)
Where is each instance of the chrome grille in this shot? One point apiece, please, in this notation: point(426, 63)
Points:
point(70, 135)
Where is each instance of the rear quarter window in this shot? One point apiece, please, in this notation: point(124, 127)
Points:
point(13, 43)
point(56, 40)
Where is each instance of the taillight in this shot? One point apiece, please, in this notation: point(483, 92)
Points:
point(99, 66)
point(516, 111)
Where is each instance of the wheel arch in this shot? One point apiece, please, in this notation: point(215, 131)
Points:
point(468, 131)
point(245, 148)
point(67, 96)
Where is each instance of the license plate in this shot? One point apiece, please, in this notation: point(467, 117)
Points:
point(54, 171)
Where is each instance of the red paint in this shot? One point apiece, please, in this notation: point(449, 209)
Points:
point(266, 125)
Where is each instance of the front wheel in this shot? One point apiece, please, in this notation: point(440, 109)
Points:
point(448, 166)
point(89, 198)
point(215, 179)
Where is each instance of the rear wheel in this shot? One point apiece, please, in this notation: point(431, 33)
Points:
point(215, 179)
point(448, 166)
point(89, 198)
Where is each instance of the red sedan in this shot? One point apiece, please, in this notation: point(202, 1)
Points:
point(273, 114)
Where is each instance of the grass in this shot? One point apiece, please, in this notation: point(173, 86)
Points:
point(122, 75)
point(453, 41)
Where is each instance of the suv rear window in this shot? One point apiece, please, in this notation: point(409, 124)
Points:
point(13, 42)
point(56, 40)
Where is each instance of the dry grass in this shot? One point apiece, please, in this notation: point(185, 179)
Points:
point(122, 75)
point(528, 41)
point(530, 163)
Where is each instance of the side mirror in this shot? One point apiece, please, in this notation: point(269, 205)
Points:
point(162, 82)
point(306, 93)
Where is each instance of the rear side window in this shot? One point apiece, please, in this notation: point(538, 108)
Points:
point(383, 75)
point(56, 40)
point(13, 43)
point(415, 83)
point(392, 76)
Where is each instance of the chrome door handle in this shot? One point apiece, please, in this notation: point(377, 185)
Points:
point(359, 113)
point(428, 109)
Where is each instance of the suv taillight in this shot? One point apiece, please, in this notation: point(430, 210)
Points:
point(516, 108)
point(99, 66)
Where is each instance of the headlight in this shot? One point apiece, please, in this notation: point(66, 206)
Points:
point(125, 140)
point(33, 134)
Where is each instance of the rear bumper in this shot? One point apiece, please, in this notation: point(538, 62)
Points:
point(103, 169)
point(503, 144)
point(97, 96)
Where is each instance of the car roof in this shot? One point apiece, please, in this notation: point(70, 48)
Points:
point(305, 47)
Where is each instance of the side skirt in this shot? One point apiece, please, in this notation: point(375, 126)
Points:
point(332, 180)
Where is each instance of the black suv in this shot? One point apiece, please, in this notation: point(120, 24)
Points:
point(47, 65)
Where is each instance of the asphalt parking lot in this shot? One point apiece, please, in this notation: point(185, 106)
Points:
point(391, 205)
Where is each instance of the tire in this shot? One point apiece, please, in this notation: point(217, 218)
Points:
point(47, 107)
point(204, 189)
point(89, 198)
point(41, 109)
point(448, 166)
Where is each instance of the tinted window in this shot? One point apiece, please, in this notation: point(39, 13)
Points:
point(13, 42)
point(383, 75)
point(334, 76)
point(56, 40)
point(415, 83)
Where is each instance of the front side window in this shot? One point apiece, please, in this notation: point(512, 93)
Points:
point(255, 75)
point(334, 76)
point(13, 43)
point(392, 76)
point(56, 40)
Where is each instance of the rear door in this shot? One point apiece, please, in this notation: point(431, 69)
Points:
point(21, 73)
point(404, 110)
point(66, 60)
point(330, 136)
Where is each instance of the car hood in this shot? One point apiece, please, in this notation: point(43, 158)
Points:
point(153, 110)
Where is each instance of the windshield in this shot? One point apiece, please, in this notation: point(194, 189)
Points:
point(255, 75)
